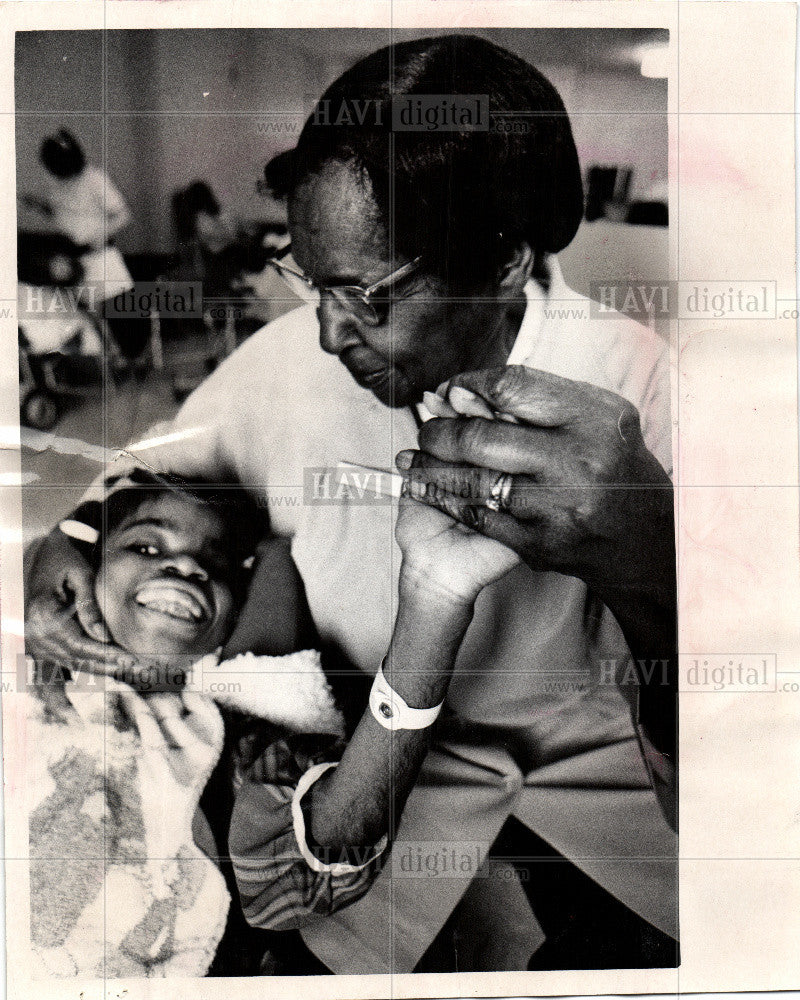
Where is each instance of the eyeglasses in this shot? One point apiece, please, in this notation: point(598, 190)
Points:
point(370, 305)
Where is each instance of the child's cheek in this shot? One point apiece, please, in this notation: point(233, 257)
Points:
point(102, 592)
point(108, 594)
point(223, 598)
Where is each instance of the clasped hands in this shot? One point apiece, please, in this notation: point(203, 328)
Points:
point(557, 471)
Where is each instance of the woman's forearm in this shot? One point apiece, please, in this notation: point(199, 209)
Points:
point(650, 629)
point(649, 622)
point(362, 799)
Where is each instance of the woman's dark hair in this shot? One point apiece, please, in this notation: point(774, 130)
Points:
point(186, 203)
point(463, 199)
point(62, 154)
point(243, 522)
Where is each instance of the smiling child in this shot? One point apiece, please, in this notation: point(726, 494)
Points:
point(119, 886)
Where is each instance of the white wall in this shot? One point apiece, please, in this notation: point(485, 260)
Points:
point(617, 120)
point(189, 105)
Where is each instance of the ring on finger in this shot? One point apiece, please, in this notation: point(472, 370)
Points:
point(500, 494)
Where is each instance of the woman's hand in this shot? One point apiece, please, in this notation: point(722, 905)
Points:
point(63, 624)
point(587, 498)
point(451, 559)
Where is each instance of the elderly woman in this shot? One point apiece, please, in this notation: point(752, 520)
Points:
point(428, 254)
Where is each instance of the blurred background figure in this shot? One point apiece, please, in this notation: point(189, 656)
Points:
point(61, 343)
point(82, 204)
point(207, 238)
point(230, 258)
point(68, 269)
point(267, 295)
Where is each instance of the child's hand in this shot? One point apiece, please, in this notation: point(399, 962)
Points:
point(182, 736)
point(446, 556)
point(192, 729)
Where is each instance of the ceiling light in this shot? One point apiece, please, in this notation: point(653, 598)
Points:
point(655, 62)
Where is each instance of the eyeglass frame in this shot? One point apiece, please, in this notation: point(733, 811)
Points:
point(362, 294)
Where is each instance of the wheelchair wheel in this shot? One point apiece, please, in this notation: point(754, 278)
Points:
point(39, 410)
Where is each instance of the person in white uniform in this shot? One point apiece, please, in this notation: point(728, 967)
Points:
point(82, 203)
point(430, 258)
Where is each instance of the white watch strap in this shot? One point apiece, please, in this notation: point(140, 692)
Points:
point(393, 712)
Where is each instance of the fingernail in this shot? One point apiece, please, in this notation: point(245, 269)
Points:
point(468, 403)
point(417, 489)
point(404, 459)
point(508, 418)
point(439, 407)
point(442, 389)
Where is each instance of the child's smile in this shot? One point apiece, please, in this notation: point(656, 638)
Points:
point(165, 583)
point(179, 599)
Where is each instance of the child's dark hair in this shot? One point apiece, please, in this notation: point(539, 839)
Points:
point(245, 524)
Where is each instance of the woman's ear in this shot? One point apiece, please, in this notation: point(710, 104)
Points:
point(515, 273)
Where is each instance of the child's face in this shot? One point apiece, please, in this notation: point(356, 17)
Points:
point(165, 584)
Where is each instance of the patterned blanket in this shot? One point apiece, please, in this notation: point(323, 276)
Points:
point(119, 887)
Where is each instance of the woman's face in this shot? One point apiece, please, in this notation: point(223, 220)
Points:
point(426, 339)
point(165, 584)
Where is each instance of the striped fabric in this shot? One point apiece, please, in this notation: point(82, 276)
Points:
point(278, 888)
